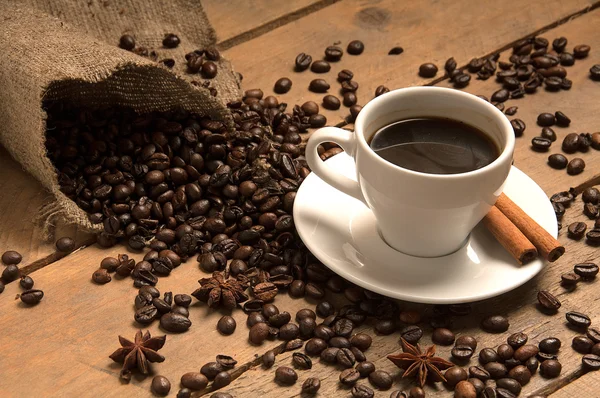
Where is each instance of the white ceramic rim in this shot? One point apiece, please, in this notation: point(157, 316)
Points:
point(391, 96)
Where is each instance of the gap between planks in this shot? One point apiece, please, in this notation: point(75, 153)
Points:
point(276, 23)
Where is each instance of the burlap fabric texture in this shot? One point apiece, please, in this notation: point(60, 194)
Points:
point(67, 49)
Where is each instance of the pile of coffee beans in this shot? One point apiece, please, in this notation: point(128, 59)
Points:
point(172, 311)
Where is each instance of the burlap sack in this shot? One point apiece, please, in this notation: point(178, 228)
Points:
point(57, 49)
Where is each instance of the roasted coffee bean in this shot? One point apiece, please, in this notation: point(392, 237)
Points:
point(500, 95)
point(365, 368)
point(311, 385)
point(222, 379)
point(380, 90)
point(220, 394)
point(416, 392)
point(550, 368)
point(428, 70)
point(540, 144)
point(320, 67)
point(595, 72)
point(462, 80)
point(362, 391)
point(11, 257)
point(548, 133)
point(160, 385)
point(333, 53)
point(65, 244)
point(593, 236)
point(175, 323)
point(510, 385)
point(596, 349)
point(285, 375)
point(226, 325)
point(505, 351)
point(355, 47)
point(282, 85)
point(557, 161)
point(289, 331)
point(314, 291)
point(546, 119)
point(349, 376)
point(194, 381)
point(517, 340)
point(127, 42)
point(548, 301)
point(278, 320)
point(302, 62)
point(562, 119)
point(586, 270)
point(450, 65)
point(315, 346)
point(26, 282)
point(454, 375)
point(345, 357)
point(381, 379)
point(582, 344)
point(559, 44)
point(171, 40)
point(518, 127)
point(331, 102)
point(577, 230)
point(487, 355)
point(590, 362)
point(581, 51)
point(521, 374)
point(591, 195)
point(254, 318)
point(525, 352)
point(495, 324)
point(479, 373)
point(411, 334)
point(329, 354)
point(301, 361)
point(396, 51)
point(296, 289)
point(571, 143)
point(575, 166)
point(258, 333)
point(10, 273)
point(101, 276)
point(339, 342)
point(496, 370)
point(209, 70)
point(32, 296)
point(464, 389)
point(361, 341)
point(385, 326)
point(550, 345)
point(577, 319)
point(593, 334)
point(211, 370)
point(442, 336)
point(468, 341)
point(268, 359)
point(569, 279)
point(462, 352)
point(511, 111)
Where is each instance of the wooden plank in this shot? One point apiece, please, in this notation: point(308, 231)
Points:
point(460, 29)
point(235, 17)
point(587, 385)
point(68, 337)
point(22, 197)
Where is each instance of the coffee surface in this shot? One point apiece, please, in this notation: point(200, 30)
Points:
point(434, 145)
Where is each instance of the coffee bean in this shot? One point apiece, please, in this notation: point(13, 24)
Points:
point(496, 370)
point(571, 143)
point(258, 333)
point(161, 385)
point(450, 65)
point(380, 90)
point(398, 394)
point(26, 282)
point(11, 257)
point(525, 352)
point(343, 327)
point(32, 297)
point(301, 361)
point(462, 352)
point(495, 324)
point(317, 121)
point(127, 42)
point(590, 362)
point(594, 335)
point(569, 279)
point(396, 51)
point(355, 47)
point(416, 392)
point(219, 394)
point(349, 86)
point(175, 323)
point(320, 67)
point(329, 354)
point(505, 351)
point(454, 375)
point(278, 320)
point(548, 301)
point(302, 62)
point(462, 80)
point(333, 53)
point(487, 355)
point(296, 289)
point(171, 40)
point(362, 391)
point(468, 341)
point(339, 342)
point(586, 270)
point(575, 166)
point(381, 379)
point(226, 325)
point(268, 359)
point(464, 389)
point(285, 375)
point(362, 341)
point(518, 127)
point(577, 319)
point(581, 51)
point(546, 119)
point(582, 344)
point(500, 95)
point(595, 72)
point(65, 244)
point(550, 368)
point(510, 385)
point(10, 273)
point(442, 336)
point(550, 345)
point(411, 334)
point(349, 376)
point(576, 231)
point(593, 236)
point(428, 70)
point(221, 380)
point(385, 326)
point(209, 70)
point(194, 381)
point(282, 86)
point(101, 276)
point(289, 331)
point(331, 102)
point(511, 111)
point(562, 119)
point(548, 133)
point(345, 75)
point(540, 144)
point(479, 373)
point(311, 385)
point(315, 346)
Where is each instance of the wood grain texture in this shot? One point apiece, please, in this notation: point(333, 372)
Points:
point(460, 29)
point(22, 197)
point(588, 385)
point(234, 17)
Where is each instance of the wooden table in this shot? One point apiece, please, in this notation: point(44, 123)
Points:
point(61, 347)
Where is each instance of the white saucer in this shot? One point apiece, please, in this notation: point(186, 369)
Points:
point(342, 233)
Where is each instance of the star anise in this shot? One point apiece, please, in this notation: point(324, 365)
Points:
point(220, 290)
point(139, 353)
point(416, 363)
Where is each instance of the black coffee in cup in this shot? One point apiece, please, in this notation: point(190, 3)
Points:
point(434, 145)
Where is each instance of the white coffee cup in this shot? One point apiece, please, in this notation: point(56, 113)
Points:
point(425, 215)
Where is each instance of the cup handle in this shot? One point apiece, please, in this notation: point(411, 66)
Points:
point(347, 141)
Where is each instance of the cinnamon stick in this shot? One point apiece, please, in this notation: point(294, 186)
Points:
point(546, 244)
point(509, 236)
